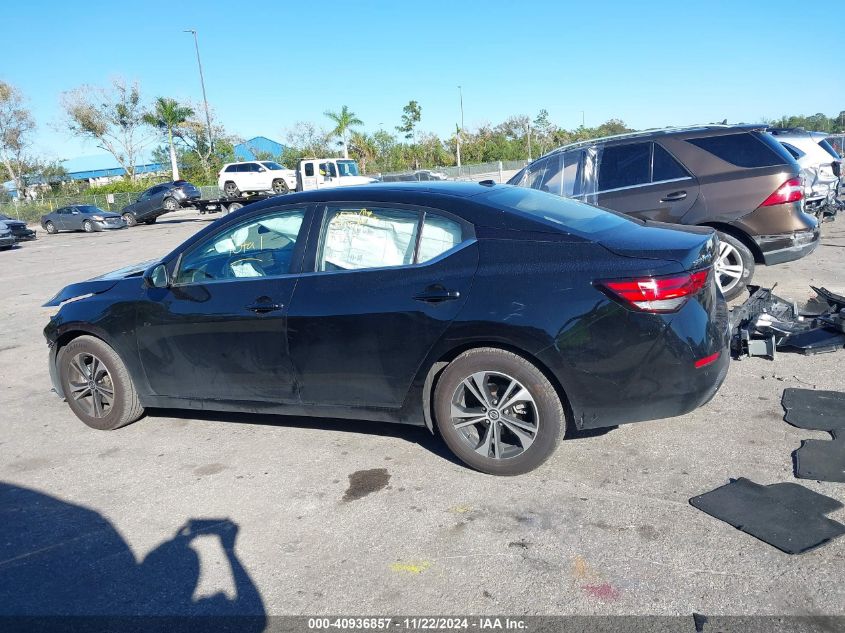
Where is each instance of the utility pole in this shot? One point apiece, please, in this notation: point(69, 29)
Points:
point(529, 141)
point(202, 83)
point(582, 118)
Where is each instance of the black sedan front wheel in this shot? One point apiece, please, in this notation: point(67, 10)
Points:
point(97, 385)
point(498, 412)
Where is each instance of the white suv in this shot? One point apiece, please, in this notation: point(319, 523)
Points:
point(255, 176)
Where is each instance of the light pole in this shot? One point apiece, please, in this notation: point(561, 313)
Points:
point(202, 83)
point(460, 131)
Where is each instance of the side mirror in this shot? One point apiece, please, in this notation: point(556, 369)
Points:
point(157, 277)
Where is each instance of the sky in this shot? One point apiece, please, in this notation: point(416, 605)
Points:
point(270, 64)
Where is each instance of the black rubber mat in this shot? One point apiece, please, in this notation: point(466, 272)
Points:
point(811, 409)
point(821, 460)
point(787, 516)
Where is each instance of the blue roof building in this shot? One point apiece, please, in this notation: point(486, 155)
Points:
point(249, 150)
point(105, 166)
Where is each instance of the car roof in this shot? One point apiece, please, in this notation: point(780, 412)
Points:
point(687, 130)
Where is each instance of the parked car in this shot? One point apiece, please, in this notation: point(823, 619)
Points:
point(503, 315)
point(735, 179)
point(158, 200)
point(7, 240)
point(419, 175)
point(19, 229)
point(821, 165)
point(81, 217)
point(236, 179)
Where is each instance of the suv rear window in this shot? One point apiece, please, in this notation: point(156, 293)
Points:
point(743, 150)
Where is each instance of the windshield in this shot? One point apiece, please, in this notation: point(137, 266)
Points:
point(271, 165)
point(562, 213)
point(90, 209)
point(347, 168)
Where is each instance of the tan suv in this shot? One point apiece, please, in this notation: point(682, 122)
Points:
point(736, 179)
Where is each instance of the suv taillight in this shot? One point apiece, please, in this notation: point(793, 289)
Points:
point(657, 294)
point(790, 191)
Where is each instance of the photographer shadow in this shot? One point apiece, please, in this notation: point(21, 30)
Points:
point(58, 559)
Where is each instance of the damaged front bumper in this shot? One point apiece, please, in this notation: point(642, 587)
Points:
point(766, 323)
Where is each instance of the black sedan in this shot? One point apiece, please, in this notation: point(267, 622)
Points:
point(81, 217)
point(503, 316)
point(158, 200)
point(19, 229)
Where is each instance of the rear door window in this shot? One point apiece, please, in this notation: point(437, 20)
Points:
point(665, 167)
point(744, 149)
point(368, 237)
point(624, 166)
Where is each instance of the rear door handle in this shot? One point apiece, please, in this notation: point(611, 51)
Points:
point(437, 295)
point(674, 196)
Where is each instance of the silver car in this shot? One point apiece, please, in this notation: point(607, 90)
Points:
point(81, 217)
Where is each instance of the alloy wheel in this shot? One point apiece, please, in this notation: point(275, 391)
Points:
point(728, 267)
point(280, 186)
point(230, 189)
point(495, 415)
point(91, 384)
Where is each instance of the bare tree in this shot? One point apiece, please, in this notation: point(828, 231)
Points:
point(113, 117)
point(16, 126)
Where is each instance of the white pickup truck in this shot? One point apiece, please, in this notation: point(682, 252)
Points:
point(321, 173)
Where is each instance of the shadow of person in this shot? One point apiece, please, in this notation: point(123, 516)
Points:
point(59, 559)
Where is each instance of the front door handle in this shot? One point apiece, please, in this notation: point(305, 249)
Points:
point(674, 196)
point(263, 305)
point(437, 294)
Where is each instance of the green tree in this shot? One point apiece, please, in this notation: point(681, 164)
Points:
point(343, 120)
point(112, 117)
point(363, 148)
point(166, 116)
point(16, 127)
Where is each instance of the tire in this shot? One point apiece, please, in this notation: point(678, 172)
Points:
point(169, 204)
point(130, 219)
point(231, 190)
point(110, 372)
point(87, 226)
point(50, 228)
point(233, 207)
point(734, 266)
point(150, 221)
point(497, 369)
point(280, 186)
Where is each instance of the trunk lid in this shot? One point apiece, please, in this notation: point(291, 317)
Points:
point(693, 247)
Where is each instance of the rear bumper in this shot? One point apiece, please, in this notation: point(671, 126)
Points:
point(777, 249)
point(651, 371)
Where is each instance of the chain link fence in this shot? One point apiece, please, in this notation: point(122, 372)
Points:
point(32, 210)
point(499, 171)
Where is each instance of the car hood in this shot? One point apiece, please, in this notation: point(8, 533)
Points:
point(99, 284)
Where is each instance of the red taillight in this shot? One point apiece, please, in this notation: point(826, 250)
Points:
point(658, 294)
point(707, 360)
point(790, 191)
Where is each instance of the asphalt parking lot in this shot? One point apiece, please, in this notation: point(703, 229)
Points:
point(603, 528)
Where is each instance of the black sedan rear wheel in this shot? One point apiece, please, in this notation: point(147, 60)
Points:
point(50, 227)
point(97, 385)
point(129, 218)
point(170, 204)
point(498, 412)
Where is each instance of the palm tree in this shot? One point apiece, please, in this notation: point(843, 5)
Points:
point(343, 120)
point(167, 116)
